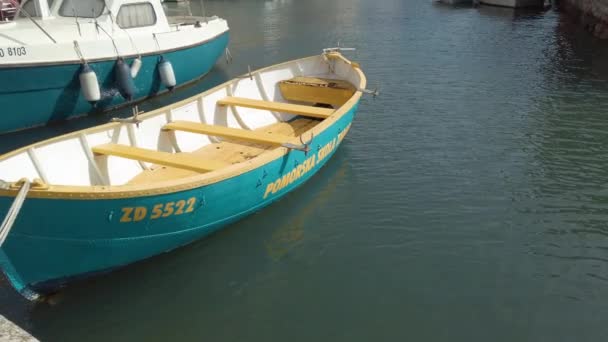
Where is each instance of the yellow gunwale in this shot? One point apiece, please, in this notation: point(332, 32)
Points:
point(186, 183)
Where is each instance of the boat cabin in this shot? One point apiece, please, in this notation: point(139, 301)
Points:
point(43, 22)
point(127, 14)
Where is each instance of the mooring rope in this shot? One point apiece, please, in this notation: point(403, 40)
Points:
point(228, 56)
point(13, 211)
point(79, 52)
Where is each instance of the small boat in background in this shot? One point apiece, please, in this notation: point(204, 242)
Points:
point(8, 9)
point(108, 196)
point(81, 56)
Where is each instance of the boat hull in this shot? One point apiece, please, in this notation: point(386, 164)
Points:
point(37, 95)
point(98, 235)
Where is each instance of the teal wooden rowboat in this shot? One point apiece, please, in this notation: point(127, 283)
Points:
point(104, 197)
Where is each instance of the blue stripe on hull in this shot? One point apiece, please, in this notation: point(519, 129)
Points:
point(34, 96)
point(87, 236)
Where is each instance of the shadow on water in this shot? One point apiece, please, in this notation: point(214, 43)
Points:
point(440, 5)
point(207, 278)
point(14, 307)
point(514, 13)
point(578, 54)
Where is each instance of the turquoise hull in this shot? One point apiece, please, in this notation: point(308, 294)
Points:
point(34, 96)
point(87, 236)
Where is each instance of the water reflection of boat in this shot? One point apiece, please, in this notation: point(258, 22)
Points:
point(125, 191)
point(290, 227)
point(514, 3)
point(79, 56)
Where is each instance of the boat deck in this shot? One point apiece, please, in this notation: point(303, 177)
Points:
point(175, 19)
point(228, 151)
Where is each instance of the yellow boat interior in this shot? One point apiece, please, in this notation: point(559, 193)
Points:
point(245, 122)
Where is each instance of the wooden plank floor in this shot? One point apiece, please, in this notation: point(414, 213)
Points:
point(228, 151)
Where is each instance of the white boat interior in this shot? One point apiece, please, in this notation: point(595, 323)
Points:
point(102, 29)
point(276, 108)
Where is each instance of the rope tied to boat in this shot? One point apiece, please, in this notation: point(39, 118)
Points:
point(228, 56)
point(14, 210)
point(98, 27)
point(79, 52)
point(133, 119)
point(156, 41)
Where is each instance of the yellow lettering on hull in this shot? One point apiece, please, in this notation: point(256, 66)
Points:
point(161, 210)
point(290, 177)
point(302, 169)
point(327, 149)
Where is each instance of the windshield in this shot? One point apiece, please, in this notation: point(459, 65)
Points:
point(82, 8)
point(29, 6)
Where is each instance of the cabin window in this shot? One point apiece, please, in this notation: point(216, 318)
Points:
point(30, 7)
point(136, 15)
point(82, 8)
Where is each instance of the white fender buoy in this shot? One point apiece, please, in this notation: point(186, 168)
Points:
point(135, 67)
point(167, 76)
point(89, 84)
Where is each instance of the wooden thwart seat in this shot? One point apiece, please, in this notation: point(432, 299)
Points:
point(290, 108)
point(184, 161)
point(227, 132)
point(317, 90)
